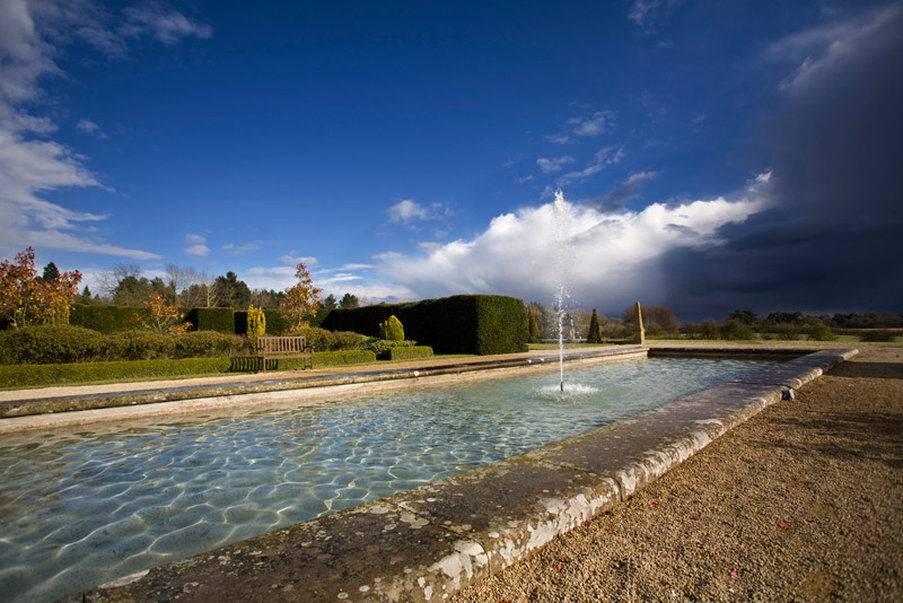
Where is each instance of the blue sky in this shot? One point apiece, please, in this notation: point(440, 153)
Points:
point(411, 149)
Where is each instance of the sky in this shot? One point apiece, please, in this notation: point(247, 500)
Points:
point(712, 155)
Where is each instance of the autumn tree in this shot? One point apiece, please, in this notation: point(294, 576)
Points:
point(27, 299)
point(163, 316)
point(301, 300)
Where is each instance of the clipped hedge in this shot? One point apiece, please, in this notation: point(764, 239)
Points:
point(277, 323)
point(211, 319)
point(462, 324)
point(50, 344)
point(106, 319)
point(330, 341)
point(38, 375)
point(409, 352)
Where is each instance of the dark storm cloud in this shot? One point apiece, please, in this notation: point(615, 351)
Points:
point(833, 238)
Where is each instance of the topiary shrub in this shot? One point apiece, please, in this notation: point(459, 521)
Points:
point(409, 352)
point(322, 340)
point(49, 344)
point(107, 319)
point(391, 329)
point(383, 347)
point(211, 319)
point(593, 335)
point(138, 345)
point(257, 326)
point(460, 324)
point(208, 344)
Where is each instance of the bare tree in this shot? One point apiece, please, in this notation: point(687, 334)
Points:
point(110, 279)
point(179, 278)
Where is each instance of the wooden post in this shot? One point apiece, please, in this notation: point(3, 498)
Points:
point(640, 331)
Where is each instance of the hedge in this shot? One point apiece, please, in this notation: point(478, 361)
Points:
point(51, 344)
point(410, 352)
point(37, 375)
point(106, 319)
point(211, 319)
point(462, 324)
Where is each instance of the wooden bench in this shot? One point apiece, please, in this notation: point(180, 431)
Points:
point(284, 347)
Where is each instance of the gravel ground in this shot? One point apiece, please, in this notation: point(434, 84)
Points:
point(802, 502)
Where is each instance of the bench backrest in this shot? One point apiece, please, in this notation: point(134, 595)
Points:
point(282, 345)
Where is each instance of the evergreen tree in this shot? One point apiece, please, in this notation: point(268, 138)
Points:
point(349, 301)
point(51, 273)
point(533, 327)
point(329, 303)
point(593, 335)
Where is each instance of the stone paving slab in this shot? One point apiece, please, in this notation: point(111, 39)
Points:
point(423, 544)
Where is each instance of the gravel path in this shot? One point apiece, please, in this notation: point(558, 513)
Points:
point(803, 502)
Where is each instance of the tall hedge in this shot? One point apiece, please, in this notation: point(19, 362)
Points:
point(461, 324)
point(211, 319)
point(106, 319)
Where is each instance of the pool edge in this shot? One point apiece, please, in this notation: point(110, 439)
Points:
point(429, 542)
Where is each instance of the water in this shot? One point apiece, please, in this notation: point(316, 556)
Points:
point(86, 505)
point(560, 211)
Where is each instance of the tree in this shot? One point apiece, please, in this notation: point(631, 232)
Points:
point(232, 293)
point(26, 299)
point(747, 317)
point(163, 316)
point(51, 273)
point(533, 328)
point(179, 278)
point(391, 329)
point(132, 291)
point(329, 303)
point(654, 315)
point(593, 336)
point(302, 299)
point(349, 301)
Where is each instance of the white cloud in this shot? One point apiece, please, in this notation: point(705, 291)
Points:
point(292, 259)
point(594, 125)
point(607, 255)
point(197, 245)
point(167, 25)
point(387, 255)
point(604, 157)
point(822, 52)
point(554, 164)
point(648, 14)
point(277, 278)
point(86, 126)
point(407, 212)
point(32, 35)
point(241, 249)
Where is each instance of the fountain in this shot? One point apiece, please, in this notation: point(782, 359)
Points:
point(560, 211)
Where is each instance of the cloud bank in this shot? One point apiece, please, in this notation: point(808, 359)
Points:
point(612, 257)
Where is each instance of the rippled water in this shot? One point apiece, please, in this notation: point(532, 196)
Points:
point(83, 506)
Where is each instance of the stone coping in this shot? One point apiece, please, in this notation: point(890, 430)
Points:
point(427, 543)
point(236, 392)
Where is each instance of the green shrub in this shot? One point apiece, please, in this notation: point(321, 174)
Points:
point(107, 319)
point(462, 324)
point(208, 344)
point(878, 335)
point(138, 345)
point(211, 319)
point(277, 322)
point(409, 352)
point(391, 329)
point(382, 347)
point(533, 334)
point(47, 344)
point(36, 375)
point(819, 331)
point(324, 359)
point(735, 330)
point(324, 341)
point(592, 334)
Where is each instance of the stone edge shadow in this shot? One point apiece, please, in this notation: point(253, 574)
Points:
point(427, 543)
